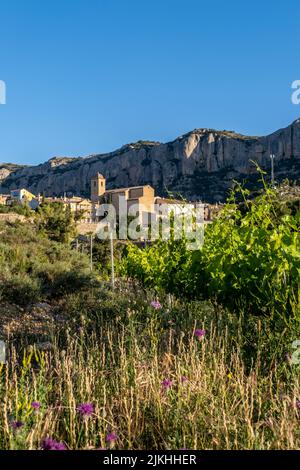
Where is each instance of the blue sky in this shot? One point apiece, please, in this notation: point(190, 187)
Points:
point(87, 76)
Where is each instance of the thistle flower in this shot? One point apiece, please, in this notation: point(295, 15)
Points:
point(156, 305)
point(166, 384)
point(297, 404)
point(111, 437)
point(35, 405)
point(86, 409)
point(16, 425)
point(200, 333)
point(51, 444)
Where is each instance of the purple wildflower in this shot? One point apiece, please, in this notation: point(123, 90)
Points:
point(51, 444)
point(111, 437)
point(184, 379)
point(35, 405)
point(86, 409)
point(166, 384)
point(200, 333)
point(16, 425)
point(297, 404)
point(156, 305)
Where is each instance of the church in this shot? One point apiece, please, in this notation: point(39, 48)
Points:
point(139, 196)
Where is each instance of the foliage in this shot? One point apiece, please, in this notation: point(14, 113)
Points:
point(102, 256)
point(33, 267)
point(56, 221)
point(250, 258)
point(16, 208)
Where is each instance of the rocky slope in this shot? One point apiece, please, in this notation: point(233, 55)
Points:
point(7, 168)
point(197, 165)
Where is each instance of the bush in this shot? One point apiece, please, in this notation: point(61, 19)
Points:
point(15, 208)
point(20, 289)
point(33, 267)
point(250, 259)
point(60, 278)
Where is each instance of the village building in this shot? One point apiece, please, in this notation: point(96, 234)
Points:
point(3, 199)
point(138, 202)
point(20, 196)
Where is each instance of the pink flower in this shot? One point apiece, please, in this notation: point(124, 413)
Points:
point(200, 333)
point(156, 305)
point(86, 409)
point(16, 425)
point(166, 384)
point(36, 405)
point(111, 437)
point(51, 444)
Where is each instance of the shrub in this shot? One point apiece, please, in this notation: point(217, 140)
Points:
point(32, 266)
point(20, 289)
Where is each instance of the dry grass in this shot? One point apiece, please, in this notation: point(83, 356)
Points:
point(213, 402)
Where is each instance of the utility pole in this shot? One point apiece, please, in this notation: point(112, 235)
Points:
point(91, 253)
point(112, 260)
point(272, 156)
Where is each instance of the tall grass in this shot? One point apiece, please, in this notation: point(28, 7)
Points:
point(152, 383)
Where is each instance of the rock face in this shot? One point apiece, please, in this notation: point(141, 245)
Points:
point(4, 173)
point(197, 165)
point(7, 168)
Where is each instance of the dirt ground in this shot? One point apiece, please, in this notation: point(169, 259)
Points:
point(37, 320)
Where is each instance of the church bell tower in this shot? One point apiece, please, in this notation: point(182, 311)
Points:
point(97, 187)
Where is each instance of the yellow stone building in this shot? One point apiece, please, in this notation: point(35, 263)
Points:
point(142, 197)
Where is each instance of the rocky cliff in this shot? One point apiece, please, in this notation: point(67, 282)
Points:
point(197, 165)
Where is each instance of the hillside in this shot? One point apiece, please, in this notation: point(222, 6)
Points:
point(7, 168)
point(198, 165)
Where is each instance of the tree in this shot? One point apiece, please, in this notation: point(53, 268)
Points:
point(56, 221)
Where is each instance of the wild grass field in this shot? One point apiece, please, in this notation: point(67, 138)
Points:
point(190, 351)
